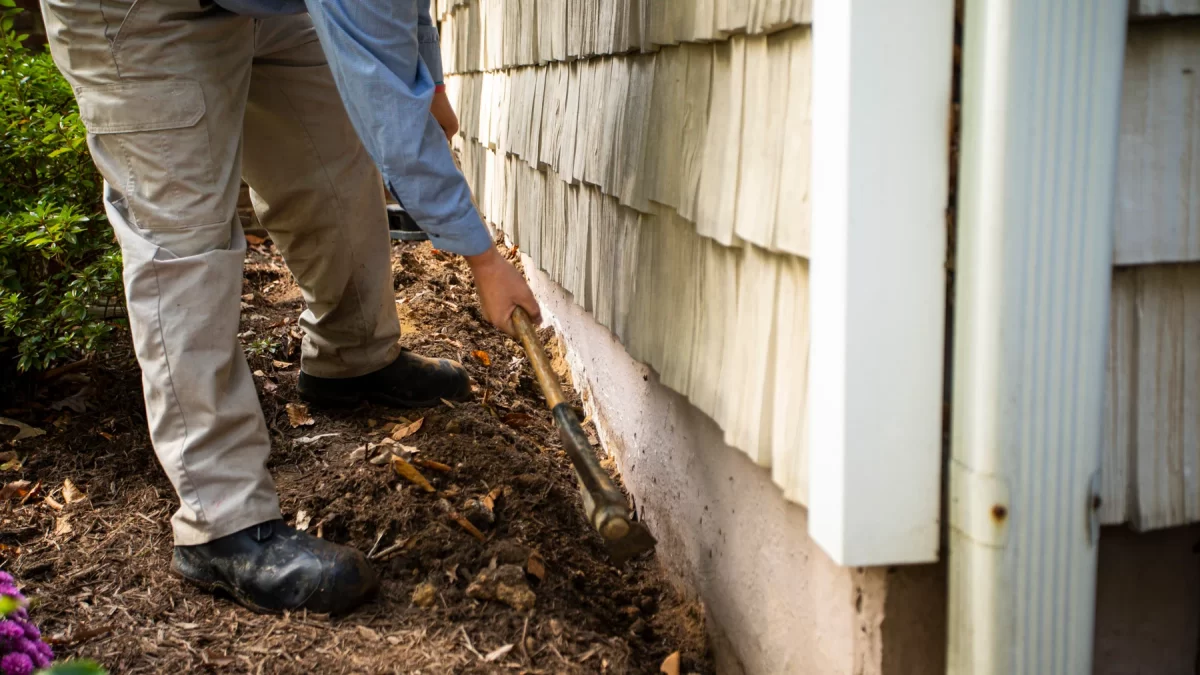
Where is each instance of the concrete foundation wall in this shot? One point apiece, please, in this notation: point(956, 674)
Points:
point(775, 603)
point(1148, 602)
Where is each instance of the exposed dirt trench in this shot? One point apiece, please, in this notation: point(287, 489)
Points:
point(97, 567)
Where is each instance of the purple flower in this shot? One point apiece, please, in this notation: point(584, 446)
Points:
point(16, 664)
point(46, 654)
point(31, 631)
point(24, 646)
point(6, 578)
point(12, 591)
point(10, 630)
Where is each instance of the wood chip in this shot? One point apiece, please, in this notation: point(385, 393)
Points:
point(466, 525)
point(670, 665)
point(490, 500)
point(498, 653)
point(536, 565)
point(410, 473)
point(432, 465)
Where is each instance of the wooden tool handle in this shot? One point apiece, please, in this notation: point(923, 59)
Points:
point(537, 358)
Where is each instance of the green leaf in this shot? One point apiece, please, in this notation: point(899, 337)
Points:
point(8, 604)
point(60, 151)
point(77, 666)
point(7, 3)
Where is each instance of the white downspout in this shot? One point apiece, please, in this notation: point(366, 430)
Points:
point(1041, 87)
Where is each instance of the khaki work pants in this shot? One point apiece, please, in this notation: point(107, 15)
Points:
point(181, 101)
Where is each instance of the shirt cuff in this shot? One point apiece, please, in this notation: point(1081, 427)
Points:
point(466, 240)
point(431, 52)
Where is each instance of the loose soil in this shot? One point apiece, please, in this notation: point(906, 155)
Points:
point(96, 567)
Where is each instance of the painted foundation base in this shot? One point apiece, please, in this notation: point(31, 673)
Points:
point(774, 602)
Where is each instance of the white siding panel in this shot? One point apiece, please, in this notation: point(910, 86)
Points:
point(1158, 181)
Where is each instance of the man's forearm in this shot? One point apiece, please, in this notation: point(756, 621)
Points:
point(373, 51)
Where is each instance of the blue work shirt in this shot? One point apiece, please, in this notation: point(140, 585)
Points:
point(386, 63)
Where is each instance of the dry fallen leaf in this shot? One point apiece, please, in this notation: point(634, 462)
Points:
point(303, 520)
point(298, 415)
point(269, 386)
point(410, 473)
point(536, 565)
point(670, 665)
point(14, 490)
point(448, 403)
point(482, 357)
point(53, 503)
point(72, 494)
point(63, 526)
point(254, 240)
point(408, 430)
point(497, 654)
point(9, 461)
point(281, 364)
point(23, 430)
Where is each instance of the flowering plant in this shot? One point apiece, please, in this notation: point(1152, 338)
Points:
point(21, 647)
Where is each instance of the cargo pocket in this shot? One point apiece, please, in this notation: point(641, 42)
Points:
point(152, 146)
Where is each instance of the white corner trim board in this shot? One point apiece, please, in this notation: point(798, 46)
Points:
point(880, 106)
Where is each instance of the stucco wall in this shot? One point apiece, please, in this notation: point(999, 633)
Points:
point(775, 603)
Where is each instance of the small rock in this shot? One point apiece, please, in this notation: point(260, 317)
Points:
point(509, 552)
point(505, 584)
point(424, 595)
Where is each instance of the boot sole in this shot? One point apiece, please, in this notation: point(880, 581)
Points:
point(213, 586)
point(332, 401)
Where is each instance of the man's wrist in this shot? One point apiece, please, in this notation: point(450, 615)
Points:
point(486, 259)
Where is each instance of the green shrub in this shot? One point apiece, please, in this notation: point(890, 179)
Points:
point(57, 253)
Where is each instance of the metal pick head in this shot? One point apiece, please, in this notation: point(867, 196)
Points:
point(636, 541)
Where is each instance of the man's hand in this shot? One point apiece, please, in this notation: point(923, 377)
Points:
point(502, 289)
point(444, 114)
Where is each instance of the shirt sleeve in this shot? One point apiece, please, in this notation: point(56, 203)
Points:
point(373, 51)
point(427, 37)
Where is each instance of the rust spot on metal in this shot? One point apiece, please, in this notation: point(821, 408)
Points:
point(999, 512)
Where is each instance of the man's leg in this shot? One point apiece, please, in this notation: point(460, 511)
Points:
point(318, 193)
point(161, 88)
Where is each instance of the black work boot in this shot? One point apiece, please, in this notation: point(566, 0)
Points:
point(411, 381)
point(272, 567)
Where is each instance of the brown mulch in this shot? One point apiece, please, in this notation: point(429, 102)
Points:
point(95, 563)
